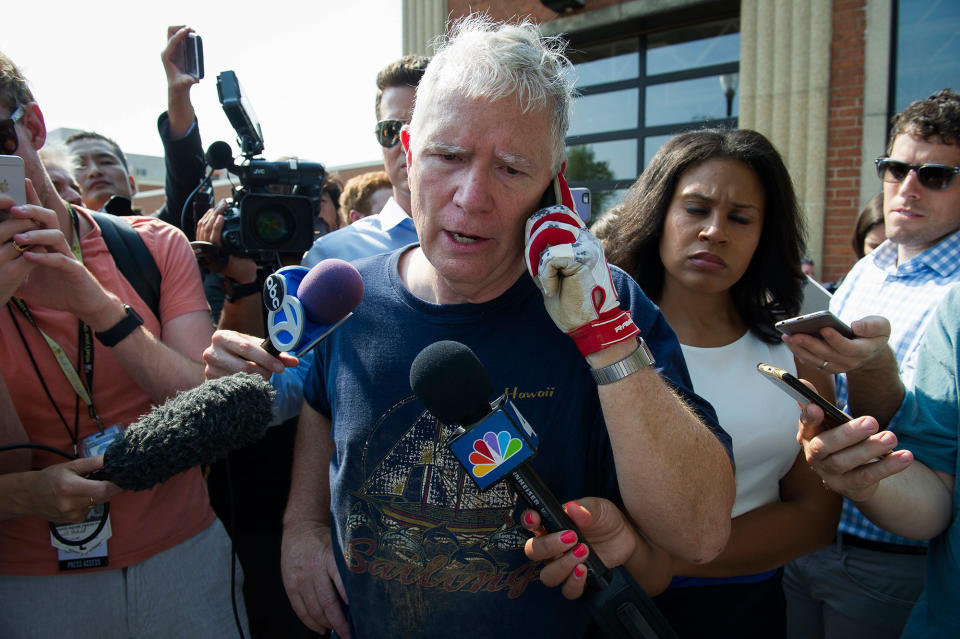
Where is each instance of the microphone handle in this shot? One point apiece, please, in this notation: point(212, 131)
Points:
point(526, 480)
point(268, 346)
point(616, 601)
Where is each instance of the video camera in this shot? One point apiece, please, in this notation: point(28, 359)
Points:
point(274, 208)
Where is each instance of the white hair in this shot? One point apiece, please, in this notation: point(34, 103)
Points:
point(59, 155)
point(481, 58)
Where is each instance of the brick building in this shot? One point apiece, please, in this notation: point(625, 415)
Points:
point(820, 78)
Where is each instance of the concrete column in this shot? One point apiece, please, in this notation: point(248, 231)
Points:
point(423, 20)
point(784, 84)
point(876, 85)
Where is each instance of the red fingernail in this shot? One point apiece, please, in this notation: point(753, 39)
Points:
point(528, 518)
point(568, 537)
point(580, 551)
point(579, 572)
point(571, 503)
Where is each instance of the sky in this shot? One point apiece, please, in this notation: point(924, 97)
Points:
point(308, 68)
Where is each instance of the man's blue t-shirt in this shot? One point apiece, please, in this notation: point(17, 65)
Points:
point(421, 551)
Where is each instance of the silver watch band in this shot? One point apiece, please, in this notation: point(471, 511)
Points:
point(638, 359)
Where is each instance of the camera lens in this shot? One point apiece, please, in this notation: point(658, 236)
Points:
point(273, 226)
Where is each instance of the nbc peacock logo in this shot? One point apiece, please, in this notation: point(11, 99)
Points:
point(493, 450)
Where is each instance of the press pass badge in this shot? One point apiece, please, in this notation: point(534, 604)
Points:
point(95, 444)
point(84, 545)
point(92, 553)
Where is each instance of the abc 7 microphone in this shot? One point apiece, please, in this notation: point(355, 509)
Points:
point(305, 305)
point(495, 443)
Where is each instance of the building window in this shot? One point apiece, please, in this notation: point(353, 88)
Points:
point(638, 91)
point(927, 49)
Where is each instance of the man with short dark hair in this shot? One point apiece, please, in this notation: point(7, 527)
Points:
point(102, 169)
point(867, 582)
point(392, 227)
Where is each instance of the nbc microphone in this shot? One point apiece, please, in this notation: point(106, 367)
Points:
point(306, 305)
point(495, 442)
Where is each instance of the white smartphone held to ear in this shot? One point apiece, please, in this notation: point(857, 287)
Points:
point(11, 178)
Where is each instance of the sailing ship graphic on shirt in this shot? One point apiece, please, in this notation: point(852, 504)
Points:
point(417, 506)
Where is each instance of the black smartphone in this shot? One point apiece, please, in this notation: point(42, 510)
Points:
point(192, 58)
point(811, 324)
point(788, 383)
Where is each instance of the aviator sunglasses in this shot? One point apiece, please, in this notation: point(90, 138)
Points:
point(932, 176)
point(8, 132)
point(388, 132)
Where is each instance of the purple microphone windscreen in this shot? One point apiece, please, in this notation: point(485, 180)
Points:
point(330, 290)
point(451, 382)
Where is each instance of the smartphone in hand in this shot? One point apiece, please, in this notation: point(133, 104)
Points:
point(191, 58)
point(811, 324)
point(789, 384)
point(11, 180)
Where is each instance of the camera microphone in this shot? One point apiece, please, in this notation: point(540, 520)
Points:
point(495, 442)
point(197, 426)
point(220, 156)
point(306, 305)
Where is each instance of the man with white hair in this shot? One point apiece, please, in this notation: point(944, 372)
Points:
point(380, 516)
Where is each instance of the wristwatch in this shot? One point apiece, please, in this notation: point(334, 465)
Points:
point(113, 335)
point(233, 290)
point(638, 359)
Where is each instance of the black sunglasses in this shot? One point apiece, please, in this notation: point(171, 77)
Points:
point(388, 132)
point(932, 176)
point(8, 132)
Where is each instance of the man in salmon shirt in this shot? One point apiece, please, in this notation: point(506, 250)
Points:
point(81, 356)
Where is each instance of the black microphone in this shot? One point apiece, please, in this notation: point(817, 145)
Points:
point(198, 426)
point(220, 156)
point(495, 442)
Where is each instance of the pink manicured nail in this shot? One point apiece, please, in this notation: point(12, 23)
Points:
point(580, 551)
point(528, 518)
point(568, 537)
point(579, 572)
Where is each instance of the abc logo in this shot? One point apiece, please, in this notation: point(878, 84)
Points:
point(274, 290)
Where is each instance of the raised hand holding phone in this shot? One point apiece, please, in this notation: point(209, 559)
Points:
point(11, 180)
point(568, 266)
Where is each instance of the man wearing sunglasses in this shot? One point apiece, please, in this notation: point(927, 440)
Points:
point(867, 582)
point(392, 227)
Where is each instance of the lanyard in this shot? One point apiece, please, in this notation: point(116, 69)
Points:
point(85, 339)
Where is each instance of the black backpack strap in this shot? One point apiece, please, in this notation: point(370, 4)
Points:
point(132, 257)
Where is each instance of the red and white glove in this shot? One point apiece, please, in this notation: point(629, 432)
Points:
point(568, 266)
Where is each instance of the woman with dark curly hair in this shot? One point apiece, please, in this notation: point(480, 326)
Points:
point(712, 232)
